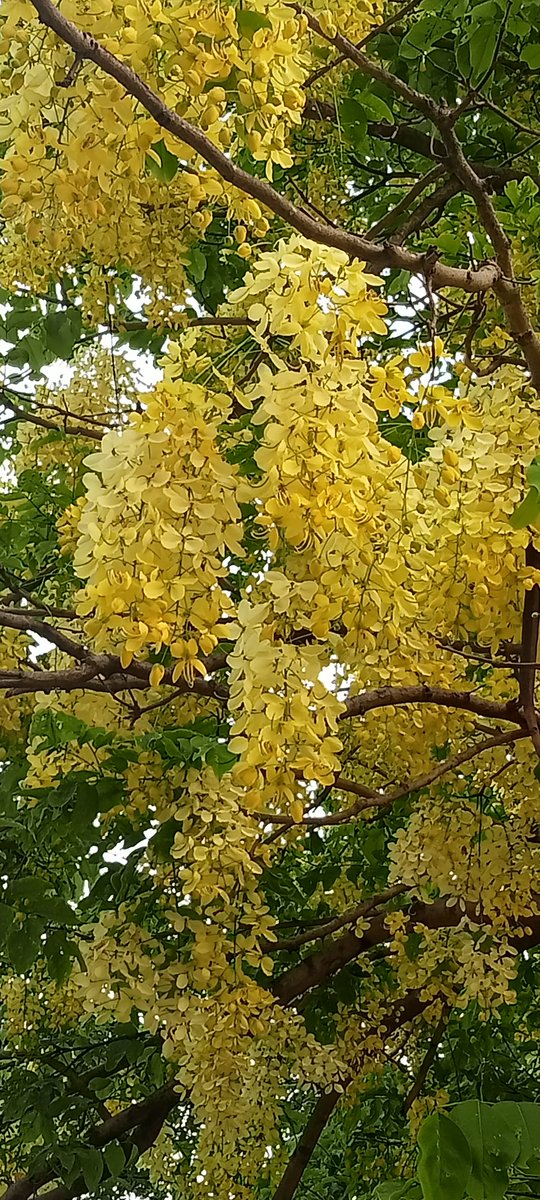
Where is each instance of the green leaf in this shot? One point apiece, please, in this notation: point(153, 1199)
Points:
point(24, 944)
point(7, 917)
point(29, 887)
point(17, 319)
point(114, 1158)
point(220, 759)
point(164, 170)
point(59, 953)
point(375, 107)
point(524, 1120)
point(62, 331)
point(197, 264)
point(527, 512)
point(249, 22)
point(482, 46)
point(444, 1165)
point(483, 1132)
point(32, 350)
point(352, 119)
point(398, 1189)
point(55, 908)
point(531, 55)
point(533, 474)
point(423, 35)
point(91, 1164)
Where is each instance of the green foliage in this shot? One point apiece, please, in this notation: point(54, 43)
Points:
point(165, 169)
point(476, 1151)
point(528, 511)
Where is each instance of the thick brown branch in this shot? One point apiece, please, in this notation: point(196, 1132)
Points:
point(443, 914)
point(374, 70)
point(390, 697)
point(30, 624)
point(527, 670)
point(379, 257)
point(299, 1160)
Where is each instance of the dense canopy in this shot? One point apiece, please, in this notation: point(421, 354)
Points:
point(269, 599)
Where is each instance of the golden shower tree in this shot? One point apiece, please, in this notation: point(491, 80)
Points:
point(270, 598)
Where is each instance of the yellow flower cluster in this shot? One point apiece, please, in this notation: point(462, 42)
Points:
point(422, 1106)
point(313, 295)
point(68, 526)
point(219, 869)
point(117, 188)
point(235, 1050)
point(461, 850)
point(160, 516)
point(101, 392)
point(458, 967)
point(13, 656)
point(472, 560)
point(285, 718)
point(29, 1005)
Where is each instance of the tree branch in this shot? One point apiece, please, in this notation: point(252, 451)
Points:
point(527, 669)
point(384, 800)
point(320, 966)
point(418, 142)
point(299, 1160)
point(401, 1013)
point(347, 918)
point(444, 119)
point(427, 1063)
point(149, 1113)
point(379, 257)
point(373, 33)
point(506, 288)
point(404, 204)
point(83, 431)
point(430, 204)
point(390, 697)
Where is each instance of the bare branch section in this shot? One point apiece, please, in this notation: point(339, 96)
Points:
point(81, 431)
point(388, 697)
point(299, 1160)
point(529, 647)
point(348, 918)
point(86, 47)
point(506, 287)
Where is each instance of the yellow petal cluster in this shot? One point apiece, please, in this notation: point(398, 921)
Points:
point(161, 514)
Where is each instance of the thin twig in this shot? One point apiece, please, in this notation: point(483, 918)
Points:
point(427, 1062)
point(373, 33)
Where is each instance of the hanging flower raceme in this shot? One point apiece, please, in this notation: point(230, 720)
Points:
point(161, 515)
